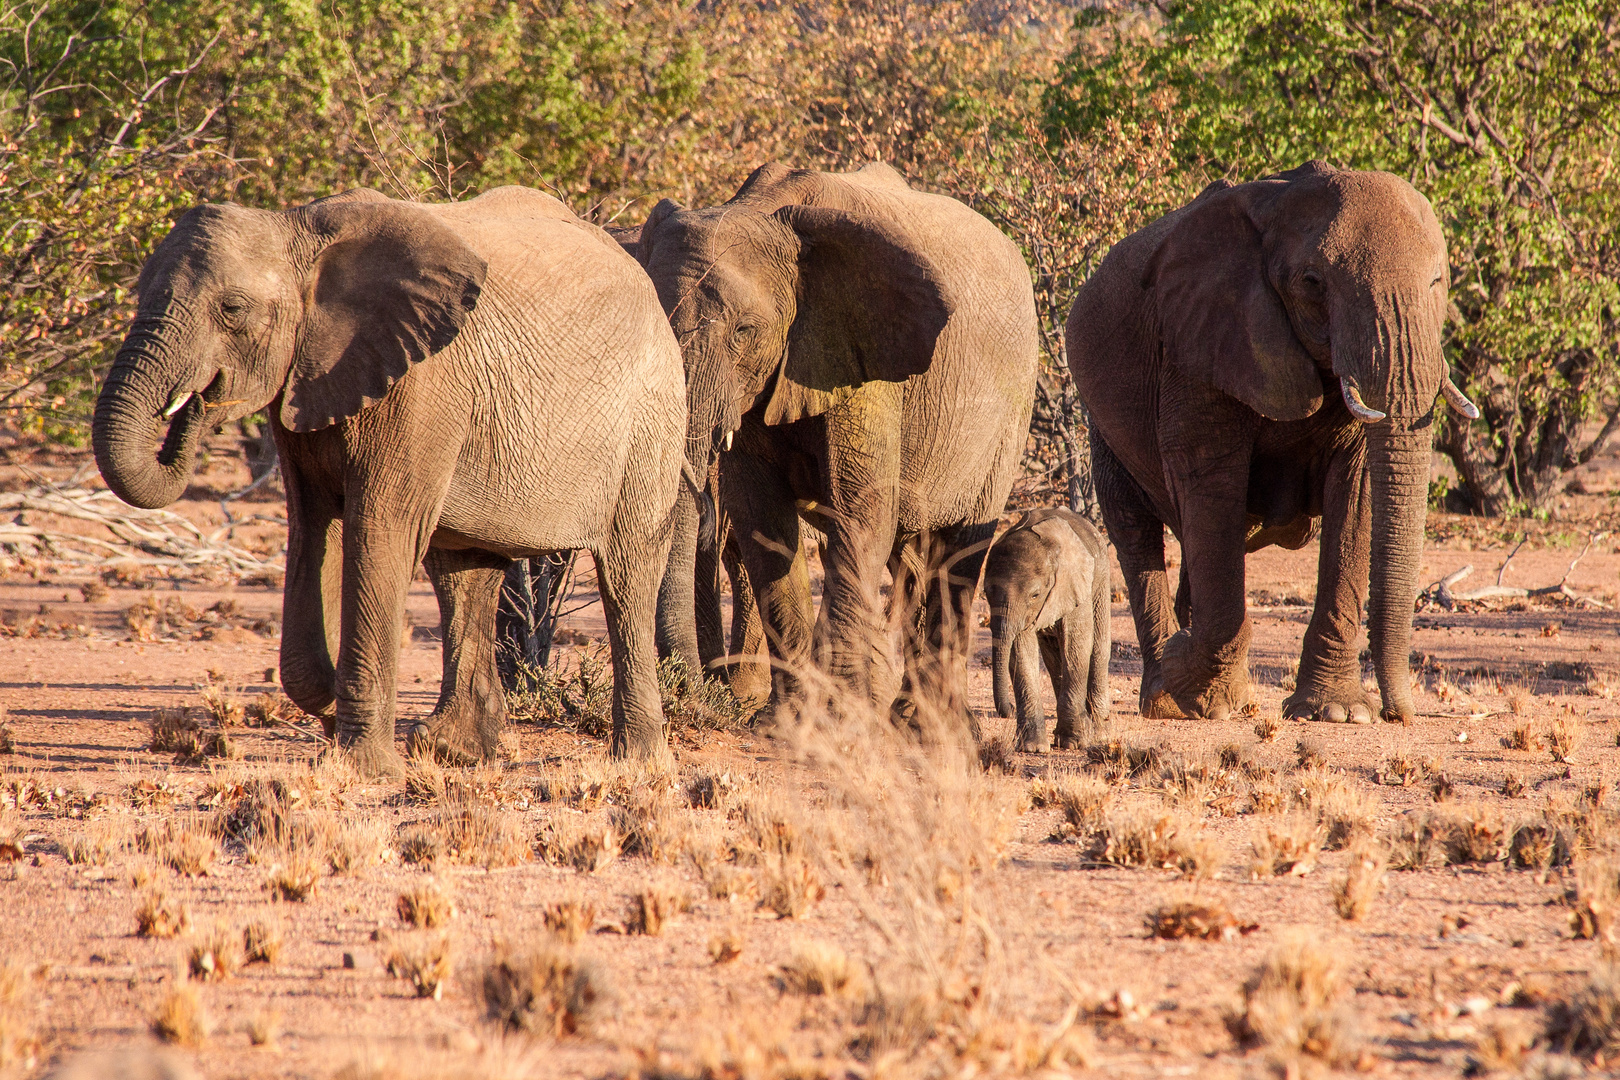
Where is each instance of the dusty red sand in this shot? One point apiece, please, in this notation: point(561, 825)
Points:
point(78, 704)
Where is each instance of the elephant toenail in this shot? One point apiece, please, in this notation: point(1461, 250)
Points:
point(1360, 714)
point(1334, 713)
point(1220, 712)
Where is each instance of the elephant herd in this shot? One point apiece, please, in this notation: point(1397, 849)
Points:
point(458, 385)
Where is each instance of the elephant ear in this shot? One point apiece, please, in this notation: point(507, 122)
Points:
point(1220, 320)
point(392, 285)
point(1071, 579)
point(871, 308)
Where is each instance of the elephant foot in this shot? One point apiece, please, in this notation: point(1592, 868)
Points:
point(1345, 703)
point(448, 742)
point(1155, 702)
point(1211, 689)
point(376, 759)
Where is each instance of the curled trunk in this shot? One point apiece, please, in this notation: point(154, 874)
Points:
point(145, 458)
point(1398, 467)
point(1002, 632)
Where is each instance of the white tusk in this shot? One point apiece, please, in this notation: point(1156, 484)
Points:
point(1353, 402)
point(729, 434)
point(177, 403)
point(1458, 400)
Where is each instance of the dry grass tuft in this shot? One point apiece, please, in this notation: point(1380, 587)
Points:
point(216, 954)
point(1523, 738)
point(1170, 840)
point(820, 967)
point(789, 884)
point(546, 990)
point(185, 844)
point(173, 731)
point(1288, 846)
point(180, 1018)
point(1588, 1023)
point(426, 906)
point(1346, 813)
point(420, 847)
point(570, 920)
point(1310, 754)
point(159, 915)
point(222, 705)
point(1501, 1045)
point(1083, 799)
point(1291, 1002)
point(479, 834)
point(996, 756)
point(264, 1028)
point(1188, 919)
point(1513, 786)
point(296, 876)
point(18, 1044)
point(268, 710)
point(654, 906)
point(726, 945)
point(1268, 727)
point(1400, 769)
point(358, 843)
point(585, 844)
point(1119, 761)
point(649, 825)
point(1597, 893)
point(261, 942)
point(97, 842)
point(423, 960)
point(1353, 894)
point(1563, 738)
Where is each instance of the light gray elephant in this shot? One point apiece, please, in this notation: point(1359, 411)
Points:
point(862, 355)
point(453, 385)
point(1048, 582)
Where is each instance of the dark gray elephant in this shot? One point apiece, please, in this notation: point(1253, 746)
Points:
point(1048, 582)
point(1257, 365)
point(452, 385)
point(864, 355)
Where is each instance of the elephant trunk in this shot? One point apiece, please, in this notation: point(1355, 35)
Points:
point(1003, 629)
point(145, 451)
point(677, 594)
point(1398, 454)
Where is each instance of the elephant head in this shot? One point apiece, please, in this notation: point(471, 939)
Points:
point(786, 309)
point(1030, 583)
point(323, 307)
point(1318, 278)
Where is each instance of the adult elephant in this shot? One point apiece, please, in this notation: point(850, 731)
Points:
point(864, 355)
point(451, 384)
point(1258, 365)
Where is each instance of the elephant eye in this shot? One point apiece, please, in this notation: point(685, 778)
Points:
point(1312, 280)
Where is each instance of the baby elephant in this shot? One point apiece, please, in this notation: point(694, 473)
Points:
point(1047, 580)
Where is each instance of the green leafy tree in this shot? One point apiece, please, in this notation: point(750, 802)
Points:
point(1505, 113)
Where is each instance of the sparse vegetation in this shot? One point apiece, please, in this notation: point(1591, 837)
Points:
point(159, 915)
point(215, 954)
point(1355, 893)
point(426, 906)
point(1168, 840)
point(1292, 1002)
point(569, 920)
point(820, 967)
point(180, 1017)
point(422, 959)
point(1191, 919)
point(544, 990)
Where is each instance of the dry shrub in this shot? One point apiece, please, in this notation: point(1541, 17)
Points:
point(173, 731)
point(1513, 786)
point(1540, 844)
point(268, 710)
point(159, 915)
point(1119, 761)
point(1266, 730)
point(546, 989)
point(1189, 919)
point(185, 844)
point(1309, 754)
point(423, 960)
point(820, 967)
point(649, 824)
point(585, 844)
point(1271, 795)
point(570, 920)
point(426, 906)
point(1291, 1003)
point(654, 906)
point(725, 880)
point(420, 847)
point(726, 945)
point(1523, 737)
point(264, 1028)
point(215, 954)
point(1501, 1045)
point(358, 843)
point(1353, 894)
point(1472, 833)
point(1287, 846)
point(295, 876)
point(788, 884)
point(996, 756)
point(591, 783)
point(1400, 769)
point(1197, 784)
point(180, 1018)
point(261, 941)
point(1157, 839)
point(1346, 813)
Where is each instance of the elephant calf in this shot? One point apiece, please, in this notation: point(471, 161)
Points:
point(1048, 583)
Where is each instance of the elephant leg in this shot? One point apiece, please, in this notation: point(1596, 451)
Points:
point(466, 724)
point(1102, 633)
point(380, 551)
point(1068, 661)
point(1183, 599)
point(312, 597)
point(748, 665)
point(1026, 678)
point(1206, 462)
point(1137, 533)
point(628, 574)
point(936, 659)
point(677, 634)
point(711, 632)
point(1329, 681)
point(765, 521)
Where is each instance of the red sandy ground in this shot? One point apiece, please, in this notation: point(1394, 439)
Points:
point(77, 709)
